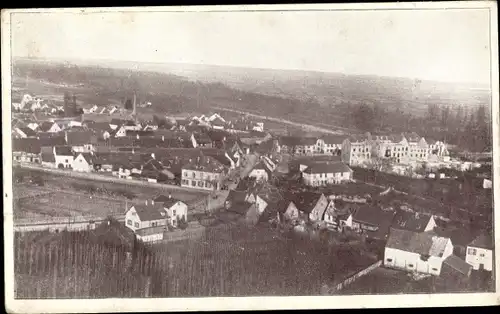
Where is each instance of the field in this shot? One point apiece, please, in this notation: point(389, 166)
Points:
point(62, 196)
point(228, 260)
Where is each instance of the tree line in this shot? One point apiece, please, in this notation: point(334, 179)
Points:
point(468, 128)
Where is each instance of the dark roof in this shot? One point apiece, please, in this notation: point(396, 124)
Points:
point(27, 145)
point(240, 207)
point(373, 215)
point(117, 121)
point(327, 167)
point(55, 140)
point(48, 157)
point(80, 138)
point(45, 126)
point(218, 122)
point(64, 150)
point(150, 212)
point(202, 138)
point(115, 234)
point(305, 201)
point(236, 196)
point(166, 200)
point(412, 221)
point(296, 140)
point(458, 264)
point(483, 241)
point(205, 163)
point(27, 131)
point(423, 243)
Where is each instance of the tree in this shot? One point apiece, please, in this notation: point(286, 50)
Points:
point(363, 118)
point(128, 104)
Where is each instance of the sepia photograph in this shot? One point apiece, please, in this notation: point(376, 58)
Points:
point(181, 158)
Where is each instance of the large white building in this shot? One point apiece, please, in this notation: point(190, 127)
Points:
point(357, 150)
point(421, 252)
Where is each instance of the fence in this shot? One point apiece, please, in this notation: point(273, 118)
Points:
point(351, 279)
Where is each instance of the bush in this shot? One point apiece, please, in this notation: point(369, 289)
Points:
point(38, 180)
point(182, 224)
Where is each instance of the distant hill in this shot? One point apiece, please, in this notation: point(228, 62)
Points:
point(325, 89)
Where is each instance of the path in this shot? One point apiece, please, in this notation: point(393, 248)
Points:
point(296, 124)
point(103, 178)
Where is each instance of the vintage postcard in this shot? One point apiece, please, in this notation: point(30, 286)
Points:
point(250, 157)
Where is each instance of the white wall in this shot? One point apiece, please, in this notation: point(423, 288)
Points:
point(151, 237)
point(476, 259)
point(80, 164)
point(410, 261)
point(258, 174)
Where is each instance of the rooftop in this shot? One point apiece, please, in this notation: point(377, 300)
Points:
point(148, 212)
point(483, 241)
point(423, 243)
point(327, 167)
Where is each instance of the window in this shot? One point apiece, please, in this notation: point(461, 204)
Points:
point(200, 184)
point(193, 183)
point(389, 260)
point(66, 160)
point(482, 254)
point(153, 224)
point(354, 149)
point(136, 225)
point(174, 212)
point(434, 269)
point(410, 265)
point(193, 174)
point(129, 222)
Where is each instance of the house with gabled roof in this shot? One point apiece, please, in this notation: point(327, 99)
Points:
point(414, 221)
point(26, 150)
point(83, 162)
point(421, 252)
point(63, 156)
point(322, 174)
point(372, 221)
point(81, 141)
point(176, 209)
point(24, 132)
point(50, 127)
point(260, 172)
point(311, 206)
point(148, 221)
point(480, 252)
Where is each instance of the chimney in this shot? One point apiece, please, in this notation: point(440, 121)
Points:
point(163, 138)
point(66, 136)
point(153, 155)
point(146, 202)
point(137, 136)
point(169, 195)
point(152, 202)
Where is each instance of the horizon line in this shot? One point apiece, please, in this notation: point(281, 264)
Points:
point(479, 86)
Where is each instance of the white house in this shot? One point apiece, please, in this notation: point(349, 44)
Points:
point(176, 209)
point(323, 173)
point(260, 172)
point(357, 150)
point(33, 126)
point(83, 162)
point(63, 156)
point(50, 127)
point(421, 252)
point(150, 214)
point(203, 173)
point(480, 253)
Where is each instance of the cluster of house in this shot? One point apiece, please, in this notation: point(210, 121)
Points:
point(103, 109)
point(412, 241)
point(151, 220)
point(196, 156)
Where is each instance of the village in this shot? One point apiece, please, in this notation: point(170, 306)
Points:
point(315, 186)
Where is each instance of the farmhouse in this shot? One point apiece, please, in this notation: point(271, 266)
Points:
point(322, 174)
point(63, 156)
point(26, 150)
point(311, 206)
point(414, 221)
point(50, 127)
point(372, 221)
point(83, 162)
point(150, 214)
point(260, 172)
point(24, 132)
point(422, 252)
point(176, 209)
point(480, 253)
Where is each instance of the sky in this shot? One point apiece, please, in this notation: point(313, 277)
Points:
point(441, 45)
